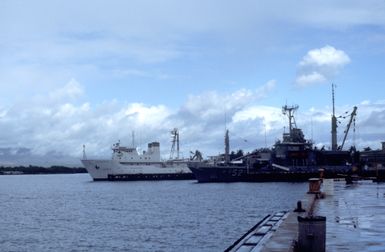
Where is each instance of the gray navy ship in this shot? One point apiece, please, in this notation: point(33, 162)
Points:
point(291, 159)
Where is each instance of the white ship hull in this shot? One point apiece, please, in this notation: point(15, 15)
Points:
point(116, 170)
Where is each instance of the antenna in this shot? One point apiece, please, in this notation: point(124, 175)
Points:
point(334, 123)
point(334, 112)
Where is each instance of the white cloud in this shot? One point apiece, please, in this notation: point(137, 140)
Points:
point(58, 124)
point(269, 116)
point(150, 32)
point(366, 102)
point(123, 43)
point(71, 90)
point(46, 131)
point(325, 56)
point(320, 65)
point(265, 89)
point(130, 72)
point(148, 116)
point(305, 80)
point(214, 104)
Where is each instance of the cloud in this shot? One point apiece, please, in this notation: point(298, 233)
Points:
point(152, 32)
point(148, 116)
point(214, 106)
point(372, 117)
point(310, 79)
point(71, 90)
point(146, 39)
point(320, 65)
point(204, 117)
point(52, 131)
point(265, 89)
point(326, 56)
point(59, 123)
point(269, 116)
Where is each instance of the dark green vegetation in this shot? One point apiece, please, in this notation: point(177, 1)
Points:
point(235, 155)
point(40, 170)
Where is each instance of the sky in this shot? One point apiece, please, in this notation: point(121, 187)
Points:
point(76, 73)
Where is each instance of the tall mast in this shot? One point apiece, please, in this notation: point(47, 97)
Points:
point(334, 124)
point(177, 145)
point(227, 147)
point(84, 152)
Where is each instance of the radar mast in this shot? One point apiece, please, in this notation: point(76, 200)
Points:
point(334, 124)
point(289, 111)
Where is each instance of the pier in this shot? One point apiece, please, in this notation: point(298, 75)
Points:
point(333, 216)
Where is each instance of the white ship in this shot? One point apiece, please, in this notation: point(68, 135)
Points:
point(128, 164)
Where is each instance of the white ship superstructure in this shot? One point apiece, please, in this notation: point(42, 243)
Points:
point(128, 164)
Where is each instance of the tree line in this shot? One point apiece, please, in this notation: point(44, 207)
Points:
point(32, 169)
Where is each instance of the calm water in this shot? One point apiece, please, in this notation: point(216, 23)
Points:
point(73, 213)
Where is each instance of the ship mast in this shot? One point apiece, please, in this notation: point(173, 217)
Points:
point(227, 147)
point(84, 152)
point(334, 124)
point(175, 142)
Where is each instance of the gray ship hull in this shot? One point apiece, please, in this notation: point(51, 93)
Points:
point(212, 173)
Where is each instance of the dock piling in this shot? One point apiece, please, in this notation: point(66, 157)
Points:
point(311, 233)
point(299, 208)
point(314, 185)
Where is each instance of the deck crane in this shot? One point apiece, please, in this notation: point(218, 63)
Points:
point(352, 117)
point(175, 143)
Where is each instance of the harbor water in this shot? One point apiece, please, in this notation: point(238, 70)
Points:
point(73, 213)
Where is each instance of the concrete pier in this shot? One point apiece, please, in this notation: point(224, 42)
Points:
point(355, 219)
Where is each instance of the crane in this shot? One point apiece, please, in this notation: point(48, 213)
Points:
point(175, 141)
point(352, 117)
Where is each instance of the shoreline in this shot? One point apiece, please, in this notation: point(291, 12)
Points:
point(31, 170)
